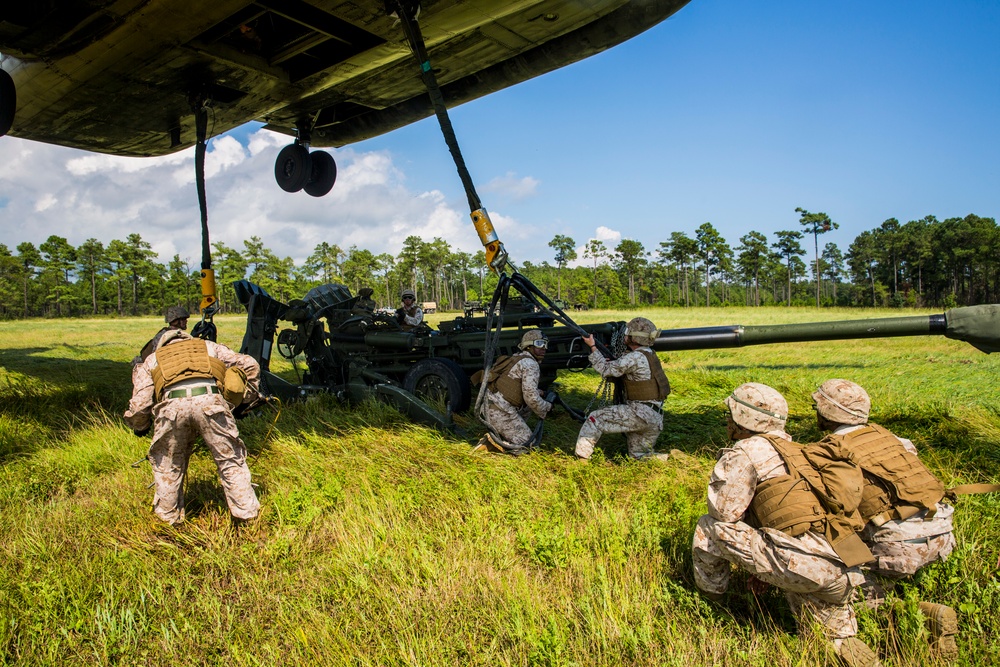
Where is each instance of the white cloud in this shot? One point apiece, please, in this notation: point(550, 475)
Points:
point(608, 235)
point(512, 186)
point(46, 202)
point(65, 192)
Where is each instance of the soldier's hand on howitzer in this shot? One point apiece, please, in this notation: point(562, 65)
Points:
point(588, 340)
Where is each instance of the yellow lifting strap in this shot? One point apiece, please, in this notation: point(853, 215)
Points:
point(208, 294)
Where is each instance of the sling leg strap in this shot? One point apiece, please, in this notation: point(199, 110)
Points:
point(969, 489)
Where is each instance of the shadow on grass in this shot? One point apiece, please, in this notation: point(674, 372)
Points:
point(51, 395)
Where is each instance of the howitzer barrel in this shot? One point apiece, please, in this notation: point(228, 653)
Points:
point(978, 325)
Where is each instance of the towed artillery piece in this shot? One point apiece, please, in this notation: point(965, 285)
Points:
point(352, 352)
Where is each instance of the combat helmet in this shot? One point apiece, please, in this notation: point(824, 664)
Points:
point(407, 293)
point(757, 407)
point(842, 402)
point(529, 338)
point(642, 331)
point(175, 313)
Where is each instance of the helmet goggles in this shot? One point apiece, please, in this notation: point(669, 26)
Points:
point(543, 343)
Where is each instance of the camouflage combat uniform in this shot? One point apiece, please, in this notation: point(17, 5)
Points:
point(640, 421)
point(816, 582)
point(177, 422)
point(901, 547)
point(410, 318)
point(508, 420)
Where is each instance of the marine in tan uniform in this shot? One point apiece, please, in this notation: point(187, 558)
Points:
point(409, 314)
point(640, 417)
point(177, 392)
point(907, 524)
point(815, 579)
point(512, 393)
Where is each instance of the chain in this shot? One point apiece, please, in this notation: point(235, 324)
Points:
point(605, 393)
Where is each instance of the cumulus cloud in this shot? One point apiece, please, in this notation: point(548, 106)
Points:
point(512, 186)
point(51, 190)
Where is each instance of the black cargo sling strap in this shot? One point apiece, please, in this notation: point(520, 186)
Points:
point(206, 328)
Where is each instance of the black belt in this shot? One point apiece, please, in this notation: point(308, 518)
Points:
point(194, 391)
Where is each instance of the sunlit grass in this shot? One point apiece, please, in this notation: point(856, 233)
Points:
point(385, 543)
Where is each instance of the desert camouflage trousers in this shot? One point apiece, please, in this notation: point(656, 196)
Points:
point(507, 421)
point(176, 424)
point(903, 547)
point(641, 423)
point(817, 588)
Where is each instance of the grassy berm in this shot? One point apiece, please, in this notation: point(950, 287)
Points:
point(385, 543)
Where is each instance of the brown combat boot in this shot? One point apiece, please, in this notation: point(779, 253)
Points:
point(855, 653)
point(942, 626)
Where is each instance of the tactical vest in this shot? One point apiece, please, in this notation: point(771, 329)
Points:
point(500, 380)
point(897, 484)
point(656, 388)
point(801, 500)
point(185, 360)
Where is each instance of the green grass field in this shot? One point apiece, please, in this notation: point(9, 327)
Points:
point(385, 543)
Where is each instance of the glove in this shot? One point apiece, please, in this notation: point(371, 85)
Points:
point(141, 433)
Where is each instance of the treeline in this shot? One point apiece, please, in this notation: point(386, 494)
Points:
point(920, 263)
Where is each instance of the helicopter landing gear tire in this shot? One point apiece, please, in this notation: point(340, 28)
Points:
point(323, 174)
point(292, 168)
point(8, 102)
point(439, 383)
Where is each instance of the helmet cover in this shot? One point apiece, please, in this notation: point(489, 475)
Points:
point(842, 402)
point(758, 408)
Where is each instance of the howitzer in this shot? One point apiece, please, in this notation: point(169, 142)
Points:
point(354, 353)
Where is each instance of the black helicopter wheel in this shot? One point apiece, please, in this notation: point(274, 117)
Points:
point(8, 102)
point(323, 175)
point(293, 168)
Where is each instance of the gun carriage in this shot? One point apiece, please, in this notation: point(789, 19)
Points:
point(354, 353)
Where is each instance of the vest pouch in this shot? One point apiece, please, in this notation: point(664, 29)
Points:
point(841, 475)
point(234, 385)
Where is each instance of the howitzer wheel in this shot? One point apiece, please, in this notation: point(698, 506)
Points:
point(440, 383)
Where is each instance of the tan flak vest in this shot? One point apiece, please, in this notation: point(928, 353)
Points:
point(185, 360)
point(656, 388)
point(897, 484)
point(500, 380)
point(806, 499)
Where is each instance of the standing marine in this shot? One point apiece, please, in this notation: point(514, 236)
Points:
point(764, 519)
point(907, 524)
point(512, 392)
point(644, 386)
point(188, 387)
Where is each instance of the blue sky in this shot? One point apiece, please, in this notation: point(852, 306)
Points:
point(731, 112)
